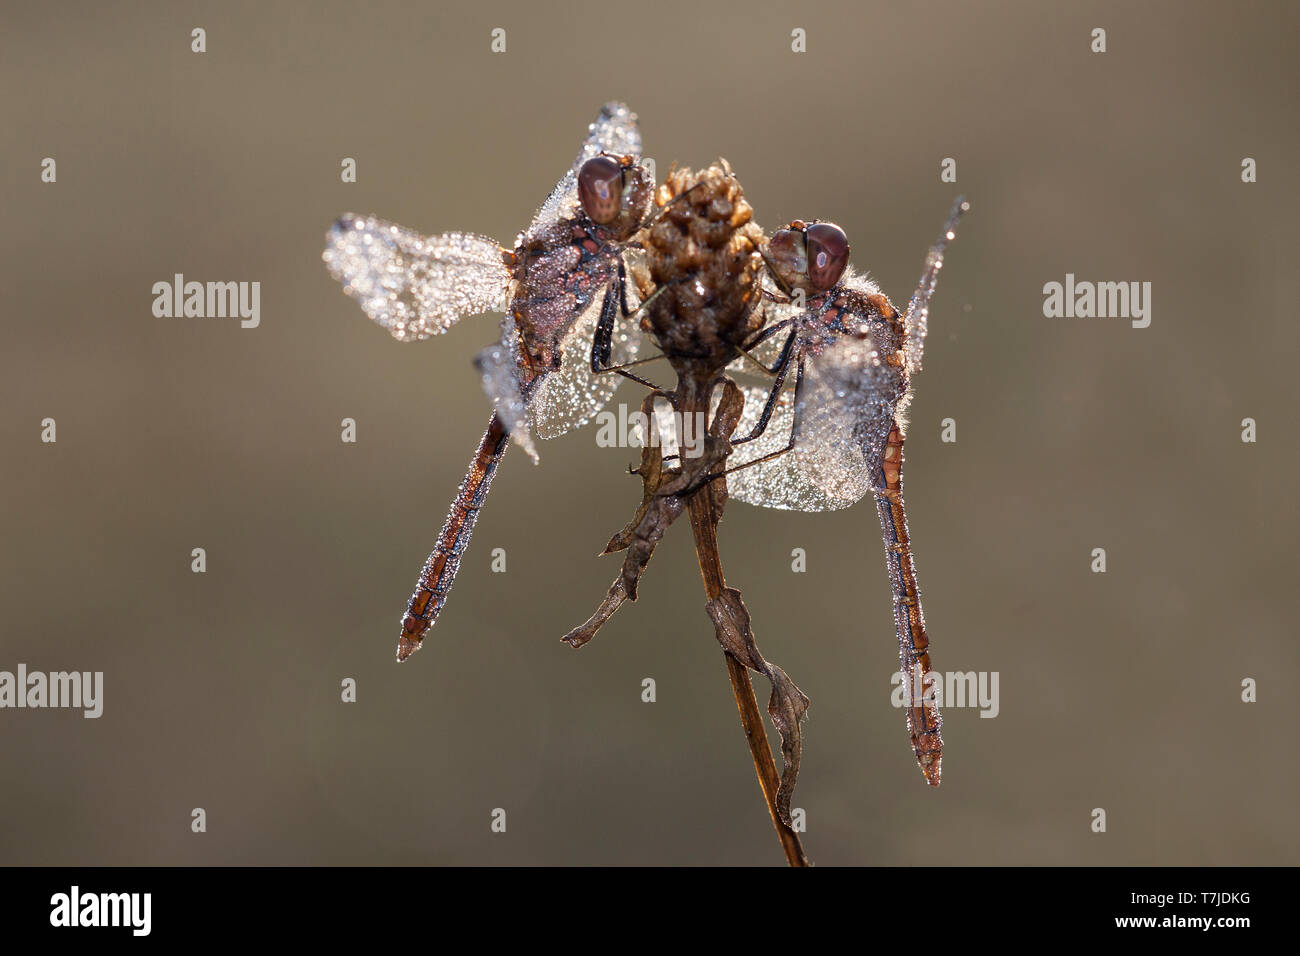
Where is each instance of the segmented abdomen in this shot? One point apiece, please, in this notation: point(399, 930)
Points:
point(440, 569)
point(923, 717)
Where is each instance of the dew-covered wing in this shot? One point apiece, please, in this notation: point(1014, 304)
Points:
point(780, 482)
point(916, 318)
point(845, 412)
point(412, 285)
point(840, 418)
point(498, 368)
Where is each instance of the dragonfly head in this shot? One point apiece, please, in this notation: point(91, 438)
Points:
point(811, 256)
point(615, 192)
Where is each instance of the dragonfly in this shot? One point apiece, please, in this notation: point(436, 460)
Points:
point(550, 371)
point(837, 435)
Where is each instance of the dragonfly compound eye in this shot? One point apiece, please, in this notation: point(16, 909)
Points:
point(600, 189)
point(828, 254)
point(787, 257)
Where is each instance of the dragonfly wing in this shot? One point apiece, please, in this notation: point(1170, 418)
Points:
point(615, 131)
point(415, 286)
point(570, 396)
point(781, 482)
point(839, 418)
point(916, 318)
point(498, 368)
point(844, 416)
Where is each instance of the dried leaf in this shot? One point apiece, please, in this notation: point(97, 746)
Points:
point(613, 601)
point(655, 515)
point(787, 706)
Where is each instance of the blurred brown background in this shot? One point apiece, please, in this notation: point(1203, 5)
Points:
point(1119, 691)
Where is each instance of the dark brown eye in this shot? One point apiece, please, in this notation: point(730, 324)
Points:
point(600, 188)
point(787, 258)
point(828, 254)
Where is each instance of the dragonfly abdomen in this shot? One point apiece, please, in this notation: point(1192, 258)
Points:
point(440, 569)
point(923, 717)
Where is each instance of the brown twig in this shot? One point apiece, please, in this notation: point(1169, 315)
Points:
point(705, 514)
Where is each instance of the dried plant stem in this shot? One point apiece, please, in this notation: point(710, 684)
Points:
point(705, 514)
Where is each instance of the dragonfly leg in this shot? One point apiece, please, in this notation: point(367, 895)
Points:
point(762, 335)
point(602, 343)
point(746, 349)
point(781, 369)
point(767, 412)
